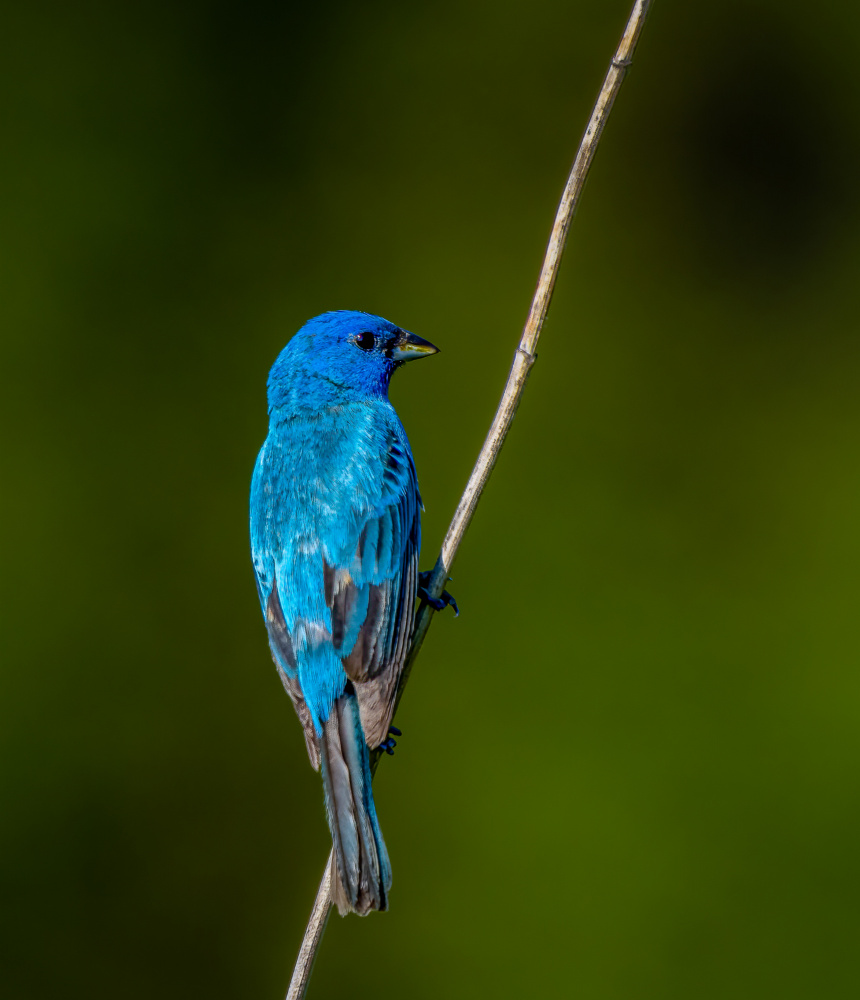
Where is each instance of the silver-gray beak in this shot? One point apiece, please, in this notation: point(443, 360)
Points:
point(408, 347)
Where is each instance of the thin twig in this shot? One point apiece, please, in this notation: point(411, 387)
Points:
point(313, 935)
point(524, 358)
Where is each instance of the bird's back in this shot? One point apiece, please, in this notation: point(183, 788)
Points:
point(335, 524)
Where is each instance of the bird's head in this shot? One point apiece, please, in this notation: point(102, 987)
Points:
point(341, 356)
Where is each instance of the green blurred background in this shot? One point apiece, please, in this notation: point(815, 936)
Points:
point(630, 768)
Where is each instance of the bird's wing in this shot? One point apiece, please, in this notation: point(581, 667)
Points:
point(265, 529)
point(371, 596)
point(281, 643)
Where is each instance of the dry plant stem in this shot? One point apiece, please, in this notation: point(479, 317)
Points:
point(313, 936)
point(524, 358)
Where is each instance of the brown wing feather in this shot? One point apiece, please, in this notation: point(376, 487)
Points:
point(282, 644)
point(375, 662)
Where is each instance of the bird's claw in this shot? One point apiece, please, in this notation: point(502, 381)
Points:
point(394, 731)
point(437, 603)
point(389, 745)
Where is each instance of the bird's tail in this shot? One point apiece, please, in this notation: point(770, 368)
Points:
point(362, 874)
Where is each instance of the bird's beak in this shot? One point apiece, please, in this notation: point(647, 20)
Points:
point(408, 347)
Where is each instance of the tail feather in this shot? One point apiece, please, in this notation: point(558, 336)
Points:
point(362, 875)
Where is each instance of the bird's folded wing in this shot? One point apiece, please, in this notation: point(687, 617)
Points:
point(282, 648)
point(372, 598)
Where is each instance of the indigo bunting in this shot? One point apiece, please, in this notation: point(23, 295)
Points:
point(335, 534)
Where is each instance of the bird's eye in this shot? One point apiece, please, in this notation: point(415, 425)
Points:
point(366, 341)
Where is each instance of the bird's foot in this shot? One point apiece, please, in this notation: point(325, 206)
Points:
point(394, 731)
point(437, 603)
point(389, 744)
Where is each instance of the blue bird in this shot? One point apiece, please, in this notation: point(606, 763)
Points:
point(335, 534)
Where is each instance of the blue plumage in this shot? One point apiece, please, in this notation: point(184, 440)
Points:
point(335, 534)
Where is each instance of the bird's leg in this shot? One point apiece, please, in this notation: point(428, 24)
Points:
point(437, 603)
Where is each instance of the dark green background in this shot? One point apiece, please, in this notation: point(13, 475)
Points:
point(630, 769)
